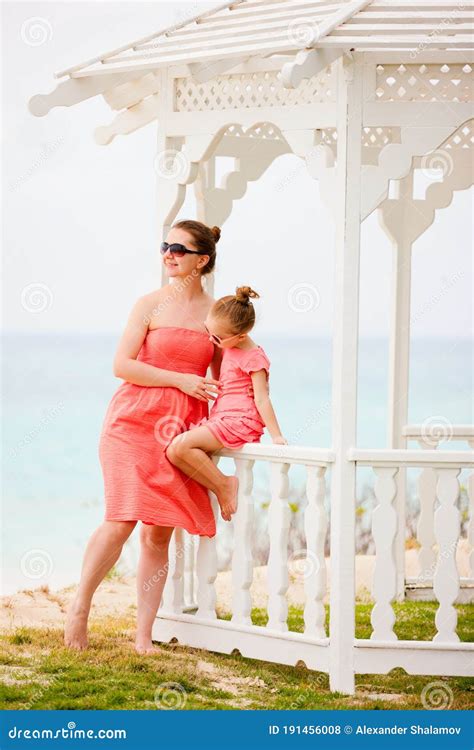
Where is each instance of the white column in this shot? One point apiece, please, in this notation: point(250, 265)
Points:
point(344, 385)
point(170, 194)
point(398, 371)
point(205, 211)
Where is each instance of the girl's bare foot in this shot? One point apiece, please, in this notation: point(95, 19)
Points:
point(227, 498)
point(75, 629)
point(144, 646)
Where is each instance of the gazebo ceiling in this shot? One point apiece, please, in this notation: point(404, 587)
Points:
point(270, 56)
point(245, 28)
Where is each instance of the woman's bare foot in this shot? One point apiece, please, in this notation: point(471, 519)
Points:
point(144, 646)
point(227, 497)
point(75, 629)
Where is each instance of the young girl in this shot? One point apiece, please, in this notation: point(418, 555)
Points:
point(242, 408)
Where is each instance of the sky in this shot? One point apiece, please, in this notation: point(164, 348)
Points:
point(80, 238)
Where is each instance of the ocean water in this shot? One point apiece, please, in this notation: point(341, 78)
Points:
point(56, 389)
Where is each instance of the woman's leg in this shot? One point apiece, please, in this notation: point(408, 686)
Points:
point(189, 452)
point(102, 552)
point(151, 577)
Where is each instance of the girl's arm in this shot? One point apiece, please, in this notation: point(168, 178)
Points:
point(127, 367)
point(264, 406)
point(216, 363)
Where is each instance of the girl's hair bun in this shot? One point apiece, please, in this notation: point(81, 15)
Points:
point(244, 293)
point(216, 233)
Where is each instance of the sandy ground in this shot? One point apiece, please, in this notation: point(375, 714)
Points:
point(43, 608)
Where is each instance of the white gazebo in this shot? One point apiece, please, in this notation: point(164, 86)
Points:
point(366, 93)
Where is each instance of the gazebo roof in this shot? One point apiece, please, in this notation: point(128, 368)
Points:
point(245, 28)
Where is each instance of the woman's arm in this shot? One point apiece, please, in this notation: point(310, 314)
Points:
point(127, 367)
point(264, 405)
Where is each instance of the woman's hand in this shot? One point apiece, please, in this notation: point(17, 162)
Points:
point(204, 389)
point(280, 440)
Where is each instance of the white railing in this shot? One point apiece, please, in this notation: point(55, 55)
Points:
point(430, 438)
point(203, 628)
point(444, 655)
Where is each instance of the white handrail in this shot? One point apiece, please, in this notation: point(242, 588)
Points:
point(294, 454)
point(407, 457)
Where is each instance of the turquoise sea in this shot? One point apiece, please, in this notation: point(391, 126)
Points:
point(56, 389)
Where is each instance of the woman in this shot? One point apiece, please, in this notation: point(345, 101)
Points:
point(163, 357)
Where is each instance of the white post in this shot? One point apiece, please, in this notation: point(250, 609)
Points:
point(344, 386)
point(204, 210)
point(398, 384)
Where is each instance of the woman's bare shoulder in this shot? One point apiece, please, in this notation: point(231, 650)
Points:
point(150, 302)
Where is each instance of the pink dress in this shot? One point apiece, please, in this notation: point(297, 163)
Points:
point(234, 419)
point(140, 482)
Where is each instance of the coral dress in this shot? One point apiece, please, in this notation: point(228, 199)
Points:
point(140, 483)
point(234, 419)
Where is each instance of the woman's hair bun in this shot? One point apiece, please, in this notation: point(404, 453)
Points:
point(244, 293)
point(216, 233)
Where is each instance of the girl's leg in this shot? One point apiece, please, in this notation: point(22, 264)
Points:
point(102, 552)
point(151, 577)
point(189, 452)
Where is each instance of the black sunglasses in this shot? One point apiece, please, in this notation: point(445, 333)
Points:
point(178, 250)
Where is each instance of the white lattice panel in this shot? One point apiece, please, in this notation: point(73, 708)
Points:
point(374, 137)
point(249, 90)
point(462, 138)
point(264, 130)
point(451, 82)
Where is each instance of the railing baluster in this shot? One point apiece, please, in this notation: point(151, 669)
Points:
point(173, 599)
point(384, 527)
point(315, 578)
point(189, 591)
point(206, 568)
point(278, 527)
point(447, 525)
point(425, 526)
point(242, 561)
point(470, 527)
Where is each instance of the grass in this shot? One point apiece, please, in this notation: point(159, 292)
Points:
point(39, 673)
